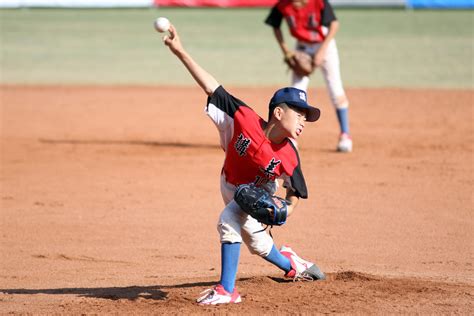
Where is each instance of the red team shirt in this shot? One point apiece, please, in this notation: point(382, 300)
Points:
point(250, 156)
point(304, 23)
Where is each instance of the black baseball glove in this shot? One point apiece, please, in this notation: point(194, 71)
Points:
point(258, 203)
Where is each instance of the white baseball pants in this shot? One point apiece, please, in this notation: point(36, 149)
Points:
point(330, 69)
point(235, 225)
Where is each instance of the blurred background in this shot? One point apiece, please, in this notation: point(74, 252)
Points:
point(384, 43)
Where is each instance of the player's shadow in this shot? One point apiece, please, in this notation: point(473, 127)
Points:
point(159, 144)
point(128, 143)
point(155, 292)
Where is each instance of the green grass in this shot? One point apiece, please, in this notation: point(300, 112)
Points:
point(378, 48)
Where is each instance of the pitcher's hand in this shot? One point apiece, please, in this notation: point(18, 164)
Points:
point(172, 40)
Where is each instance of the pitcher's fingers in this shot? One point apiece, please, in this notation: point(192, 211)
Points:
point(172, 31)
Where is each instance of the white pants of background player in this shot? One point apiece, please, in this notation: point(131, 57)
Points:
point(330, 69)
point(235, 225)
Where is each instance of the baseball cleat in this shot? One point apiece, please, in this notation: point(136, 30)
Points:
point(301, 269)
point(218, 295)
point(345, 143)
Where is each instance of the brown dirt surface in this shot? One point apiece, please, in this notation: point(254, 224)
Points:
point(110, 198)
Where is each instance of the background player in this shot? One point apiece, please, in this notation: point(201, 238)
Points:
point(257, 152)
point(314, 25)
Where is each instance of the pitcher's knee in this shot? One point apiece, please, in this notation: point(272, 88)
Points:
point(228, 234)
point(261, 246)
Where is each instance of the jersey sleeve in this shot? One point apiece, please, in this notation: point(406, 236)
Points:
point(296, 181)
point(327, 14)
point(224, 102)
point(275, 18)
point(221, 107)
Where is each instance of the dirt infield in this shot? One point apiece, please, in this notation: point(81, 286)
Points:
point(110, 196)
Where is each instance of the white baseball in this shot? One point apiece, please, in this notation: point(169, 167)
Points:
point(162, 24)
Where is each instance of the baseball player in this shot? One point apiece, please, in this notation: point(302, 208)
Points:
point(314, 25)
point(256, 152)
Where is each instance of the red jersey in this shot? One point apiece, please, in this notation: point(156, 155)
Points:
point(250, 156)
point(304, 23)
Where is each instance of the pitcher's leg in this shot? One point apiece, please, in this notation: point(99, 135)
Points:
point(229, 228)
point(278, 260)
point(259, 242)
point(230, 254)
point(256, 238)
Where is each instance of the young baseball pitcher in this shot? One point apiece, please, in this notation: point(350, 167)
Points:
point(256, 153)
point(314, 25)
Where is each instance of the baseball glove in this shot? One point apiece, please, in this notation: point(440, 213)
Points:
point(258, 203)
point(300, 62)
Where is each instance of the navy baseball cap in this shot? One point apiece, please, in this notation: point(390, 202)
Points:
point(296, 98)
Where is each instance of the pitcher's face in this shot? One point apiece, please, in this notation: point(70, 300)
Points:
point(293, 121)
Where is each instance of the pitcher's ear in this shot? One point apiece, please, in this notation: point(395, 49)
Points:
point(278, 112)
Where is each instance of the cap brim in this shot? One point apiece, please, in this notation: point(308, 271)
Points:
point(312, 113)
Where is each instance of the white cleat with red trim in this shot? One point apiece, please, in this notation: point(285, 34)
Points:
point(218, 295)
point(301, 269)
